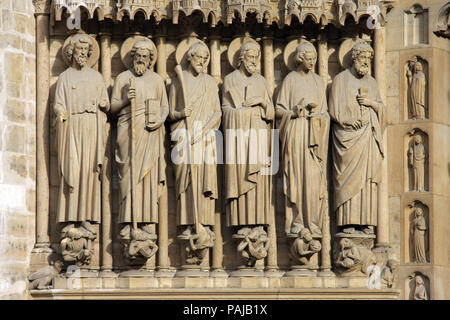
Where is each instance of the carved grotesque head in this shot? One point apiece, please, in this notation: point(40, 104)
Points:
point(142, 54)
point(249, 56)
point(362, 54)
point(305, 56)
point(79, 49)
point(198, 56)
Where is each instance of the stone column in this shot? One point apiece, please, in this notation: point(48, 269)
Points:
point(163, 224)
point(271, 229)
point(214, 48)
point(380, 76)
point(42, 127)
point(106, 228)
point(322, 62)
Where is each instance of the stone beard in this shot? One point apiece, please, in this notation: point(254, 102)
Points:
point(80, 91)
point(247, 106)
point(149, 159)
point(356, 144)
point(304, 143)
point(200, 171)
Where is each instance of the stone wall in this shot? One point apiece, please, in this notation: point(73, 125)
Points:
point(17, 144)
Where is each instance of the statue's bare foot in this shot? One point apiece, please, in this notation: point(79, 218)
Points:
point(315, 230)
point(149, 228)
point(349, 230)
point(368, 230)
point(296, 228)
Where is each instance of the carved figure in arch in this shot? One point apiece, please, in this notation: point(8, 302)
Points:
point(419, 230)
point(416, 159)
point(195, 111)
point(43, 278)
point(139, 99)
point(417, 89)
point(304, 247)
point(81, 101)
point(304, 129)
point(420, 291)
point(358, 115)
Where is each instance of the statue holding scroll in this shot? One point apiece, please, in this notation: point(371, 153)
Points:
point(81, 101)
point(358, 116)
point(139, 99)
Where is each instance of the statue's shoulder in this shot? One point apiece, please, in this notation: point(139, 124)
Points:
point(155, 77)
point(231, 75)
point(124, 75)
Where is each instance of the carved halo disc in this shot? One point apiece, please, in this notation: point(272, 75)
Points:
point(125, 51)
point(95, 50)
point(345, 52)
point(183, 48)
point(233, 50)
point(289, 53)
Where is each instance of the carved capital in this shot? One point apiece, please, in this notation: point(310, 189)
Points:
point(42, 7)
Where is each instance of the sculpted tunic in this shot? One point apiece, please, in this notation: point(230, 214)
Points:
point(304, 147)
point(419, 240)
point(418, 94)
point(357, 153)
point(203, 99)
point(248, 191)
point(150, 164)
point(81, 143)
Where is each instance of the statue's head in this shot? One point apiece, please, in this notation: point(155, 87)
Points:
point(58, 265)
point(345, 243)
point(198, 57)
point(306, 234)
point(362, 54)
point(419, 280)
point(305, 56)
point(142, 54)
point(418, 212)
point(79, 49)
point(249, 57)
point(417, 67)
point(417, 139)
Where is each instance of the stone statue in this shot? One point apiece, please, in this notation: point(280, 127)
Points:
point(139, 98)
point(43, 278)
point(358, 116)
point(304, 128)
point(254, 244)
point(417, 86)
point(195, 110)
point(304, 247)
point(420, 292)
point(416, 159)
point(81, 101)
point(419, 230)
point(247, 115)
point(199, 243)
point(352, 258)
point(77, 245)
point(388, 273)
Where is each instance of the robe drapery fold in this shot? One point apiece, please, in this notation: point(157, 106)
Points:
point(149, 161)
point(247, 149)
point(357, 153)
point(418, 84)
point(200, 160)
point(304, 148)
point(81, 143)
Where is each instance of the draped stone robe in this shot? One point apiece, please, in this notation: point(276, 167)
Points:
point(248, 191)
point(417, 95)
point(150, 164)
point(81, 143)
point(199, 170)
point(357, 153)
point(304, 147)
point(420, 228)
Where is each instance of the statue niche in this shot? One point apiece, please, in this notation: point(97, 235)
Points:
point(419, 233)
point(419, 286)
point(417, 164)
point(417, 88)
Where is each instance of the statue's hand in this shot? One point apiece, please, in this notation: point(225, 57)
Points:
point(131, 93)
point(186, 112)
point(364, 101)
point(354, 123)
point(103, 105)
point(62, 116)
point(300, 111)
point(198, 137)
point(154, 125)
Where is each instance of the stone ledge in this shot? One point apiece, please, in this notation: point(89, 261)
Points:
point(220, 294)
